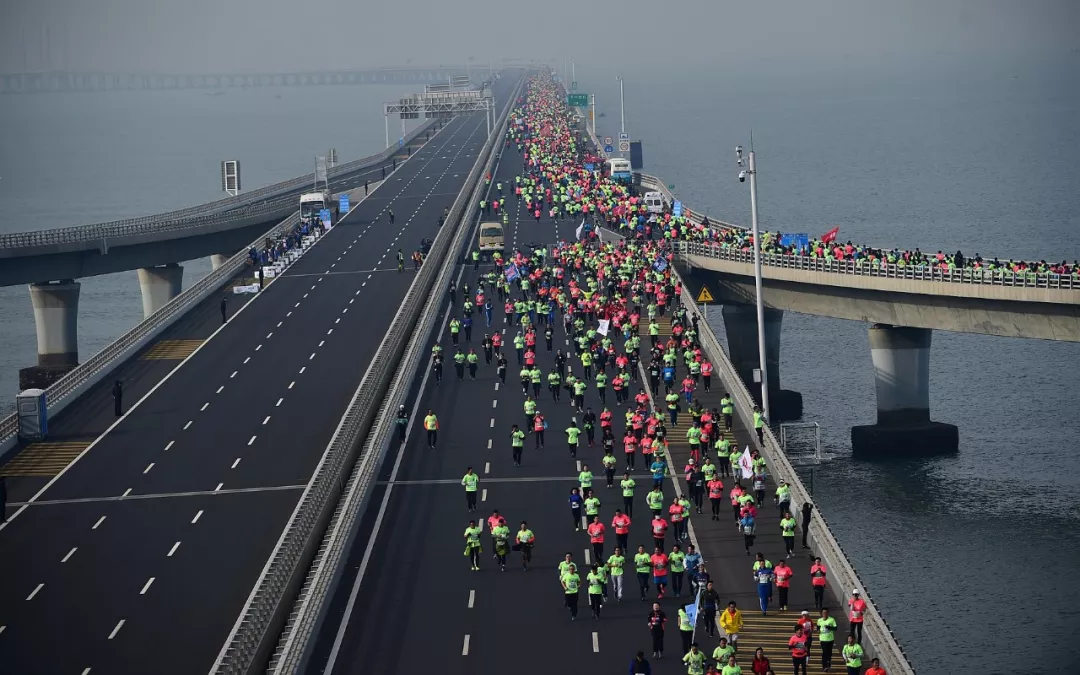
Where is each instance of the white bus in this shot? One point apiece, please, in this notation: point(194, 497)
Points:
point(619, 170)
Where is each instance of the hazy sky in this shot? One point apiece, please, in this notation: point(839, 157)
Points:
point(290, 35)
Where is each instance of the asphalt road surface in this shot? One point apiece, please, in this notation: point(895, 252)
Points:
point(139, 556)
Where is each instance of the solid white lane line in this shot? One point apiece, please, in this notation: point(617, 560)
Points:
point(266, 420)
point(117, 629)
point(472, 599)
point(35, 591)
point(98, 523)
point(188, 425)
point(465, 647)
point(69, 554)
point(169, 445)
point(235, 463)
point(196, 518)
point(278, 404)
point(173, 549)
point(252, 440)
point(148, 467)
point(146, 587)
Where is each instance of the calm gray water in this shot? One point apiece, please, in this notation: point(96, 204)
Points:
point(981, 157)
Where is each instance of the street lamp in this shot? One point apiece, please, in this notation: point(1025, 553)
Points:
point(751, 172)
point(622, 106)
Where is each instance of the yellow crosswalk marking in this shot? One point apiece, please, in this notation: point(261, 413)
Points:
point(171, 350)
point(44, 459)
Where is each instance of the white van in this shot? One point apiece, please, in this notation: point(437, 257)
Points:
point(655, 202)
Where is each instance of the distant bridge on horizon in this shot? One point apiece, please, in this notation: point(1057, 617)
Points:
point(57, 81)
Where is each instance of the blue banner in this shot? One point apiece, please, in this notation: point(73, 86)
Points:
point(511, 272)
point(343, 204)
point(660, 265)
point(677, 209)
point(590, 167)
point(324, 215)
point(799, 241)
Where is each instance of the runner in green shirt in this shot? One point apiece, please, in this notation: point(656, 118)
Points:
point(572, 434)
point(571, 584)
point(596, 589)
point(517, 443)
point(615, 564)
point(472, 544)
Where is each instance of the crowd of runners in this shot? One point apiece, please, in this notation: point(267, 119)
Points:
point(608, 297)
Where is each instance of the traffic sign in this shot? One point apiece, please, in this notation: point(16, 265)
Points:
point(623, 136)
point(677, 209)
point(577, 100)
point(624, 146)
point(573, 86)
point(704, 295)
point(608, 148)
point(608, 140)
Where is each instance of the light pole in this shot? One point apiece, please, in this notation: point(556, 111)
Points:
point(573, 72)
point(622, 106)
point(751, 171)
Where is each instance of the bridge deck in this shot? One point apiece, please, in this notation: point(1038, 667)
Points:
point(213, 459)
point(417, 595)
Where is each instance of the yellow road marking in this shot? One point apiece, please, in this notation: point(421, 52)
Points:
point(44, 459)
point(171, 350)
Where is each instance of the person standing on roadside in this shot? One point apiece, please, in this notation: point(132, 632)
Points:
point(118, 398)
point(807, 510)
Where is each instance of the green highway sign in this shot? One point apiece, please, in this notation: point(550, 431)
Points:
point(671, 186)
point(577, 100)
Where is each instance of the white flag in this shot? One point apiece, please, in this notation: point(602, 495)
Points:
point(580, 229)
point(604, 325)
point(746, 463)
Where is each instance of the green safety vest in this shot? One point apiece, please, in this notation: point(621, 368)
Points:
point(470, 481)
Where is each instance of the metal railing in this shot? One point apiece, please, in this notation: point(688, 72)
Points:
point(260, 623)
point(89, 372)
point(313, 602)
point(862, 267)
point(842, 575)
point(266, 199)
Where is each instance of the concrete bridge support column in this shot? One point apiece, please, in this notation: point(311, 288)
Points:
point(740, 323)
point(56, 318)
point(218, 259)
point(901, 358)
point(159, 285)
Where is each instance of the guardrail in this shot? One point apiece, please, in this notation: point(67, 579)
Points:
point(223, 210)
point(842, 575)
point(263, 619)
point(294, 649)
point(863, 267)
point(68, 388)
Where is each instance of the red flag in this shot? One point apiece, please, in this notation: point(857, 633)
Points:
point(830, 236)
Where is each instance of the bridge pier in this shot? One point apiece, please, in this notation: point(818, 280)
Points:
point(740, 323)
point(159, 285)
point(218, 259)
point(901, 358)
point(56, 319)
